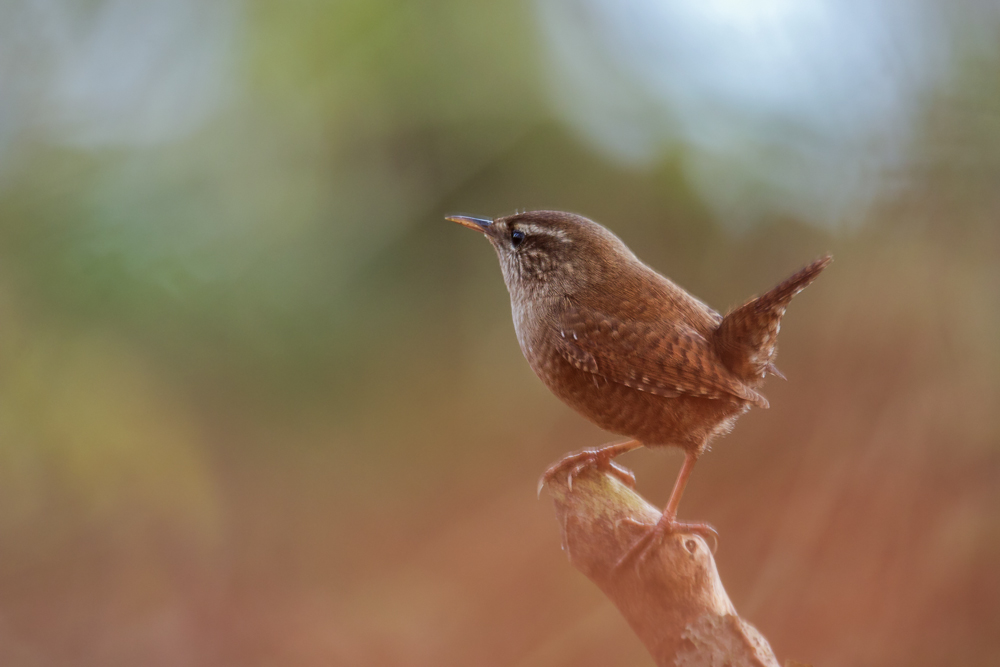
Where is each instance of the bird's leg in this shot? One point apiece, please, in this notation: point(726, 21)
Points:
point(668, 522)
point(670, 513)
point(599, 458)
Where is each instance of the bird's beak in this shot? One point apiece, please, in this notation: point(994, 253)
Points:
point(479, 224)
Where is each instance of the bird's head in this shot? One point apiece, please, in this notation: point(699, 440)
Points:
point(549, 253)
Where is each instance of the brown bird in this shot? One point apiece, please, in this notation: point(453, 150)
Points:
point(626, 347)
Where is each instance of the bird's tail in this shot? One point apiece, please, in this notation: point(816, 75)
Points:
point(746, 338)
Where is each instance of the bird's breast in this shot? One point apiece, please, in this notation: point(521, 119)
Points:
point(528, 325)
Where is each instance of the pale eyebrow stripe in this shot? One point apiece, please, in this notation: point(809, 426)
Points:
point(529, 228)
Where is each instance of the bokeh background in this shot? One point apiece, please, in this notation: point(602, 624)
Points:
point(261, 405)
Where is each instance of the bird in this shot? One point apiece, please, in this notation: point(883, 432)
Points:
point(629, 349)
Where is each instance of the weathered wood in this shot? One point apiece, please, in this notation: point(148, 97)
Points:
point(671, 594)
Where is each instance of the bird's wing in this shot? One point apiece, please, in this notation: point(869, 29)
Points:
point(663, 358)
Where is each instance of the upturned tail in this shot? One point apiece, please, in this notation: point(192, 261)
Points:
point(746, 340)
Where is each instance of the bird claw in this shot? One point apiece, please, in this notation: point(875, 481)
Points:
point(662, 528)
point(583, 460)
point(624, 475)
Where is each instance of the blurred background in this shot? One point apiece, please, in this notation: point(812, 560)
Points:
point(261, 405)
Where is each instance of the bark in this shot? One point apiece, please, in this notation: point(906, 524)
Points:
point(671, 594)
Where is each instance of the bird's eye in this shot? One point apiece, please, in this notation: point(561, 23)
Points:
point(516, 237)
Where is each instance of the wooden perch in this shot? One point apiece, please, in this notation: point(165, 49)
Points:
point(671, 594)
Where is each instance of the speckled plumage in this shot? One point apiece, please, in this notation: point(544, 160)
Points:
point(623, 345)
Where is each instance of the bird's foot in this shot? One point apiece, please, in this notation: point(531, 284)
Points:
point(661, 529)
point(576, 463)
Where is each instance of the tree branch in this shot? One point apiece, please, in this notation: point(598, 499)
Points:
point(671, 594)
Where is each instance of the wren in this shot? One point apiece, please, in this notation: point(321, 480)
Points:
point(627, 348)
